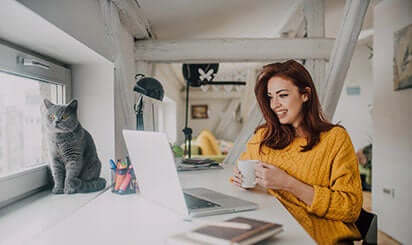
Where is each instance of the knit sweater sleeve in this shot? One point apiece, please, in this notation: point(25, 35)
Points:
point(342, 199)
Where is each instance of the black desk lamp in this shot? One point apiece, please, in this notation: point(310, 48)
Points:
point(197, 75)
point(150, 88)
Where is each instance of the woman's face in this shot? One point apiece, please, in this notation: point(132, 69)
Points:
point(286, 100)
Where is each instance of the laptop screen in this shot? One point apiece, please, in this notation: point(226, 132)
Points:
point(155, 168)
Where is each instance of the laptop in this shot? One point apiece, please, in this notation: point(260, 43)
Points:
point(156, 173)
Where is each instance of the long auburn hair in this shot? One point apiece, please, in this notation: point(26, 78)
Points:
point(277, 135)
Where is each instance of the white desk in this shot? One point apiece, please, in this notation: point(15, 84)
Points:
point(130, 219)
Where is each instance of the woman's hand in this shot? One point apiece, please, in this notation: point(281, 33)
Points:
point(236, 179)
point(270, 176)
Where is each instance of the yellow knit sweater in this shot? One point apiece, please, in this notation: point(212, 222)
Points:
point(331, 168)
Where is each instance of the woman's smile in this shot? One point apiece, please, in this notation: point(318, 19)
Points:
point(281, 113)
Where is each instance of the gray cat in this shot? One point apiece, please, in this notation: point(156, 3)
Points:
point(74, 163)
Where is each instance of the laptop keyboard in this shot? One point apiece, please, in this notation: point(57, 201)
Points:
point(193, 202)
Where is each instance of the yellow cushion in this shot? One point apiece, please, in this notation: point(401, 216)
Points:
point(208, 143)
point(195, 149)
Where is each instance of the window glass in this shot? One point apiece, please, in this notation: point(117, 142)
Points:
point(22, 137)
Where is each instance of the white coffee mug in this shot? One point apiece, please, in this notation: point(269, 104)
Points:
point(247, 170)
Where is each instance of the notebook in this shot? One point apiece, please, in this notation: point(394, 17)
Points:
point(156, 174)
point(257, 231)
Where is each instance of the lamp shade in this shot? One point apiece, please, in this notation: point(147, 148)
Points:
point(149, 87)
point(199, 74)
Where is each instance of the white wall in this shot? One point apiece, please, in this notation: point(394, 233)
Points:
point(93, 88)
point(167, 119)
point(353, 110)
point(392, 115)
point(216, 108)
point(82, 19)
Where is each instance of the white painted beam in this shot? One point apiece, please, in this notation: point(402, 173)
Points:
point(232, 50)
point(300, 31)
point(343, 49)
point(314, 12)
point(133, 19)
point(293, 20)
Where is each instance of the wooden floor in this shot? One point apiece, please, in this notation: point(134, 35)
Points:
point(382, 237)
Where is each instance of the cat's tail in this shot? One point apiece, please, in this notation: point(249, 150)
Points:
point(92, 185)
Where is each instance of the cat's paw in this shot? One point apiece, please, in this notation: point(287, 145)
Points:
point(71, 186)
point(69, 190)
point(57, 190)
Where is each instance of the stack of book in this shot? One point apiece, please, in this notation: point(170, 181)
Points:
point(239, 230)
point(197, 164)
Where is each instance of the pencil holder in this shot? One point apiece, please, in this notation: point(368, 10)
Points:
point(123, 178)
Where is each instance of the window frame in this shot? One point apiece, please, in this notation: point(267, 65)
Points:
point(26, 182)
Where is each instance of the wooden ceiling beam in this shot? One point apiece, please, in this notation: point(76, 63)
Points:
point(314, 12)
point(133, 19)
point(293, 21)
point(232, 50)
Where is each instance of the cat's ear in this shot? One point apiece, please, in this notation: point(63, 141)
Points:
point(47, 103)
point(72, 105)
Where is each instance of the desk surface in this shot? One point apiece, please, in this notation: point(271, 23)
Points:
point(130, 219)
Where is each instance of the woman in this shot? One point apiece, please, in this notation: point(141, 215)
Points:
point(305, 161)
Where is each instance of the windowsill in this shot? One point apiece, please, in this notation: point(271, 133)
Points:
point(23, 183)
point(28, 217)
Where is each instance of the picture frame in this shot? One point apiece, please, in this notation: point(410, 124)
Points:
point(402, 58)
point(199, 112)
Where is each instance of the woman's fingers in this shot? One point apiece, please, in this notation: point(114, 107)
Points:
point(237, 181)
point(263, 173)
point(236, 172)
point(265, 165)
point(260, 171)
point(237, 177)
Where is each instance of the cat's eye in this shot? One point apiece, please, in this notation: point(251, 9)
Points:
point(65, 116)
point(51, 117)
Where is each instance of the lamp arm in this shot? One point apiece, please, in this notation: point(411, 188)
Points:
point(138, 108)
point(187, 131)
point(224, 83)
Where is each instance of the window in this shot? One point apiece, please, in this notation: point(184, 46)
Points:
point(25, 80)
point(22, 137)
